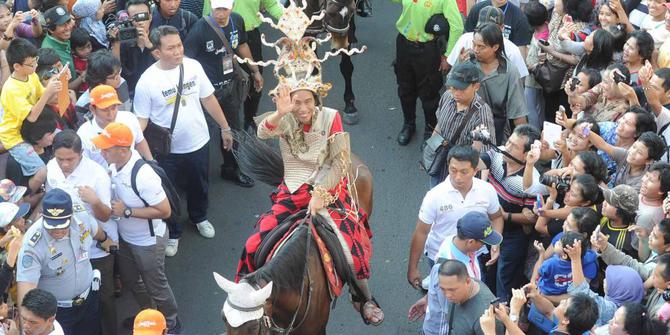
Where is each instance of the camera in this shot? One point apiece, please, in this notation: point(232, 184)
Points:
point(127, 31)
point(573, 83)
point(619, 78)
point(562, 184)
point(481, 136)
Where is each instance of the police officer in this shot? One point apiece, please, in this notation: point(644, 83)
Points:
point(419, 60)
point(55, 258)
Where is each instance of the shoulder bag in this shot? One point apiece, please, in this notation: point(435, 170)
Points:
point(437, 148)
point(239, 88)
point(160, 138)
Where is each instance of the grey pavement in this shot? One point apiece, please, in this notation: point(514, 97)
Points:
point(399, 189)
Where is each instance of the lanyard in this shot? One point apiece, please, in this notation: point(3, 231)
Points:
point(230, 20)
point(505, 10)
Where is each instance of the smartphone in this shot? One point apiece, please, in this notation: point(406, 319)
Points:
point(596, 232)
point(543, 42)
point(538, 201)
point(573, 84)
point(619, 78)
point(495, 302)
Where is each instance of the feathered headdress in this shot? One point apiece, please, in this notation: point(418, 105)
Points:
point(297, 64)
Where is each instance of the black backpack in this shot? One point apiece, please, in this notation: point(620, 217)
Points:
point(168, 187)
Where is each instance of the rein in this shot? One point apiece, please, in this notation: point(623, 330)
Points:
point(268, 321)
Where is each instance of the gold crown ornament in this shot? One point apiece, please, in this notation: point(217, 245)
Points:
point(297, 65)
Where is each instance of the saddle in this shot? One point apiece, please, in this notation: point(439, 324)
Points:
point(335, 263)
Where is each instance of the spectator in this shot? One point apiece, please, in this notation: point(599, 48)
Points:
point(12, 25)
point(654, 23)
point(473, 232)
point(135, 57)
point(632, 318)
point(637, 50)
point(150, 322)
point(105, 69)
point(506, 175)
point(168, 13)
point(463, 47)
point(575, 315)
point(607, 17)
point(213, 59)
point(500, 87)
point(537, 16)
point(59, 25)
point(81, 50)
point(608, 100)
point(143, 234)
point(48, 66)
point(588, 162)
point(416, 63)
point(23, 98)
point(459, 100)
point(466, 298)
point(598, 54)
point(656, 89)
point(620, 210)
point(197, 7)
point(104, 108)
point(569, 146)
point(583, 220)
point(155, 101)
point(38, 313)
point(435, 224)
point(655, 187)
point(554, 275)
point(663, 60)
point(515, 28)
point(622, 283)
point(86, 11)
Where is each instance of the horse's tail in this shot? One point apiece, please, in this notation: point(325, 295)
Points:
point(258, 159)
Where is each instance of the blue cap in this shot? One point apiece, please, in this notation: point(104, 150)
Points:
point(56, 209)
point(477, 226)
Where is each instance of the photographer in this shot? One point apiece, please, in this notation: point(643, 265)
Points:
point(135, 55)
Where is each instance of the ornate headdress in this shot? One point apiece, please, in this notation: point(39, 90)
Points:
point(297, 64)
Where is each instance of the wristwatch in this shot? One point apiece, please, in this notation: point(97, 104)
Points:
point(514, 317)
point(7, 38)
point(127, 212)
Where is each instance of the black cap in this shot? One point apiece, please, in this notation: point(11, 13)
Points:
point(463, 74)
point(491, 14)
point(477, 226)
point(56, 209)
point(437, 25)
point(56, 16)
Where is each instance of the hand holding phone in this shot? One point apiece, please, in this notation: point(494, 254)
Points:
point(538, 201)
point(543, 42)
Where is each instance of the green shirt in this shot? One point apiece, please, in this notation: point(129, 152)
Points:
point(415, 15)
point(63, 51)
point(249, 10)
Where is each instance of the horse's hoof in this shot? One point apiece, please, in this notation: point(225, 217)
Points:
point(350, 115)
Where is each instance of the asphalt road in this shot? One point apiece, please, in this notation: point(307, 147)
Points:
point(399, 189)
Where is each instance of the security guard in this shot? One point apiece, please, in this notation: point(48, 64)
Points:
point(419, 60)
point(55, 258)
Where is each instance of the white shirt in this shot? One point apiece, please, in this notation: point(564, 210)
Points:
point(511, 50)
point(91, 129)
point(155, 95)
point(58, 330)
point(87, 173)
point(135, 230)
point(443, 205)
point(448, 250)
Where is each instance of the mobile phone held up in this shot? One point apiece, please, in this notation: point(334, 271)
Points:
point(495, 302)
point(618, 77)
point(543, 42)
point(538, 201)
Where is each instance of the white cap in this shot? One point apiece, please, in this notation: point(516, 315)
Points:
point(227, 4)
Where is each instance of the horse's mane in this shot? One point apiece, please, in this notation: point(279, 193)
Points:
point(287, 267)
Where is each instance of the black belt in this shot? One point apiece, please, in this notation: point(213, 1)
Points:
point(417, 44)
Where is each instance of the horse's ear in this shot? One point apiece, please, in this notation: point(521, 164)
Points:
point(224, 283)
point(260, 296)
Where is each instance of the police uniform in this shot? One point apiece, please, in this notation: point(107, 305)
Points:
point(417, 60)
point(63, 267)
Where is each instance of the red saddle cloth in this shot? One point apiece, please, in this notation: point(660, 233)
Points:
point(334, 281)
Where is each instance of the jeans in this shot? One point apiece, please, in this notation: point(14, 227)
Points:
point(25, 155)
point(511, 262)
point(190, 172)
point(84, 319)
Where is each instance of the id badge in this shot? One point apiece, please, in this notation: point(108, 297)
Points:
point(82, 256)
point(227, 64)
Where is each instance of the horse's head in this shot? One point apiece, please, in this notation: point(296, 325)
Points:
point(244, 307)
point(337, 18)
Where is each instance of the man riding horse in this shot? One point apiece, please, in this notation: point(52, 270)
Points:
point(315, 151)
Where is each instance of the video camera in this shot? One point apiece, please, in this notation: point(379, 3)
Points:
point(127, 31)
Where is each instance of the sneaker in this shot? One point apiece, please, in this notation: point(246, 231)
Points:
point(206, 229)
point(171, 247)
point(425, 282)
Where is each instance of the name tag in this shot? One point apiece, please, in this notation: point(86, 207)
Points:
point(82, 256)
point(227, 64)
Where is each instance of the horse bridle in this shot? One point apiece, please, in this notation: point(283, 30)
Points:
point(267, 321)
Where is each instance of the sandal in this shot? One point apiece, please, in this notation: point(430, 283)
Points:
point(362, 311)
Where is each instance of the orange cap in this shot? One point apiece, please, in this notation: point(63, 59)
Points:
point(103, 96)
point(149, 322)
point(114, 135)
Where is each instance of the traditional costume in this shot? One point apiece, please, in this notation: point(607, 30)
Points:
point(316, 156)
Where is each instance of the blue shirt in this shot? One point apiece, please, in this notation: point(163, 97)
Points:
point(555, 274)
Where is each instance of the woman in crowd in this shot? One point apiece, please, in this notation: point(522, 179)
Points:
point(638, 49)
point(568, 148)
point(501, 87)
point(632, 318)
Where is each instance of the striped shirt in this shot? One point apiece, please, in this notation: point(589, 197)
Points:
point(449, 118)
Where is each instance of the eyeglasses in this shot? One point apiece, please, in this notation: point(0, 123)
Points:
point(34, 65)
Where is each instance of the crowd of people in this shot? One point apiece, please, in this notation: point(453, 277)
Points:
point(546, 149)
point(547, 157)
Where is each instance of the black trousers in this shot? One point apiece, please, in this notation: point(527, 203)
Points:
point(254, 98)
point(417, 73)
point(231, 110)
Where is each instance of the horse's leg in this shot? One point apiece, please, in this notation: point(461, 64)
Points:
point(347, 69)
point(363, 183)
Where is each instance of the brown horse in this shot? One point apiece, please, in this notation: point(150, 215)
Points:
point(290, 294)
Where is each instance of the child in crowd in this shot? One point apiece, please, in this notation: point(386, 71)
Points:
point(23, 98)
point(81, 49)
point(554, 274)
